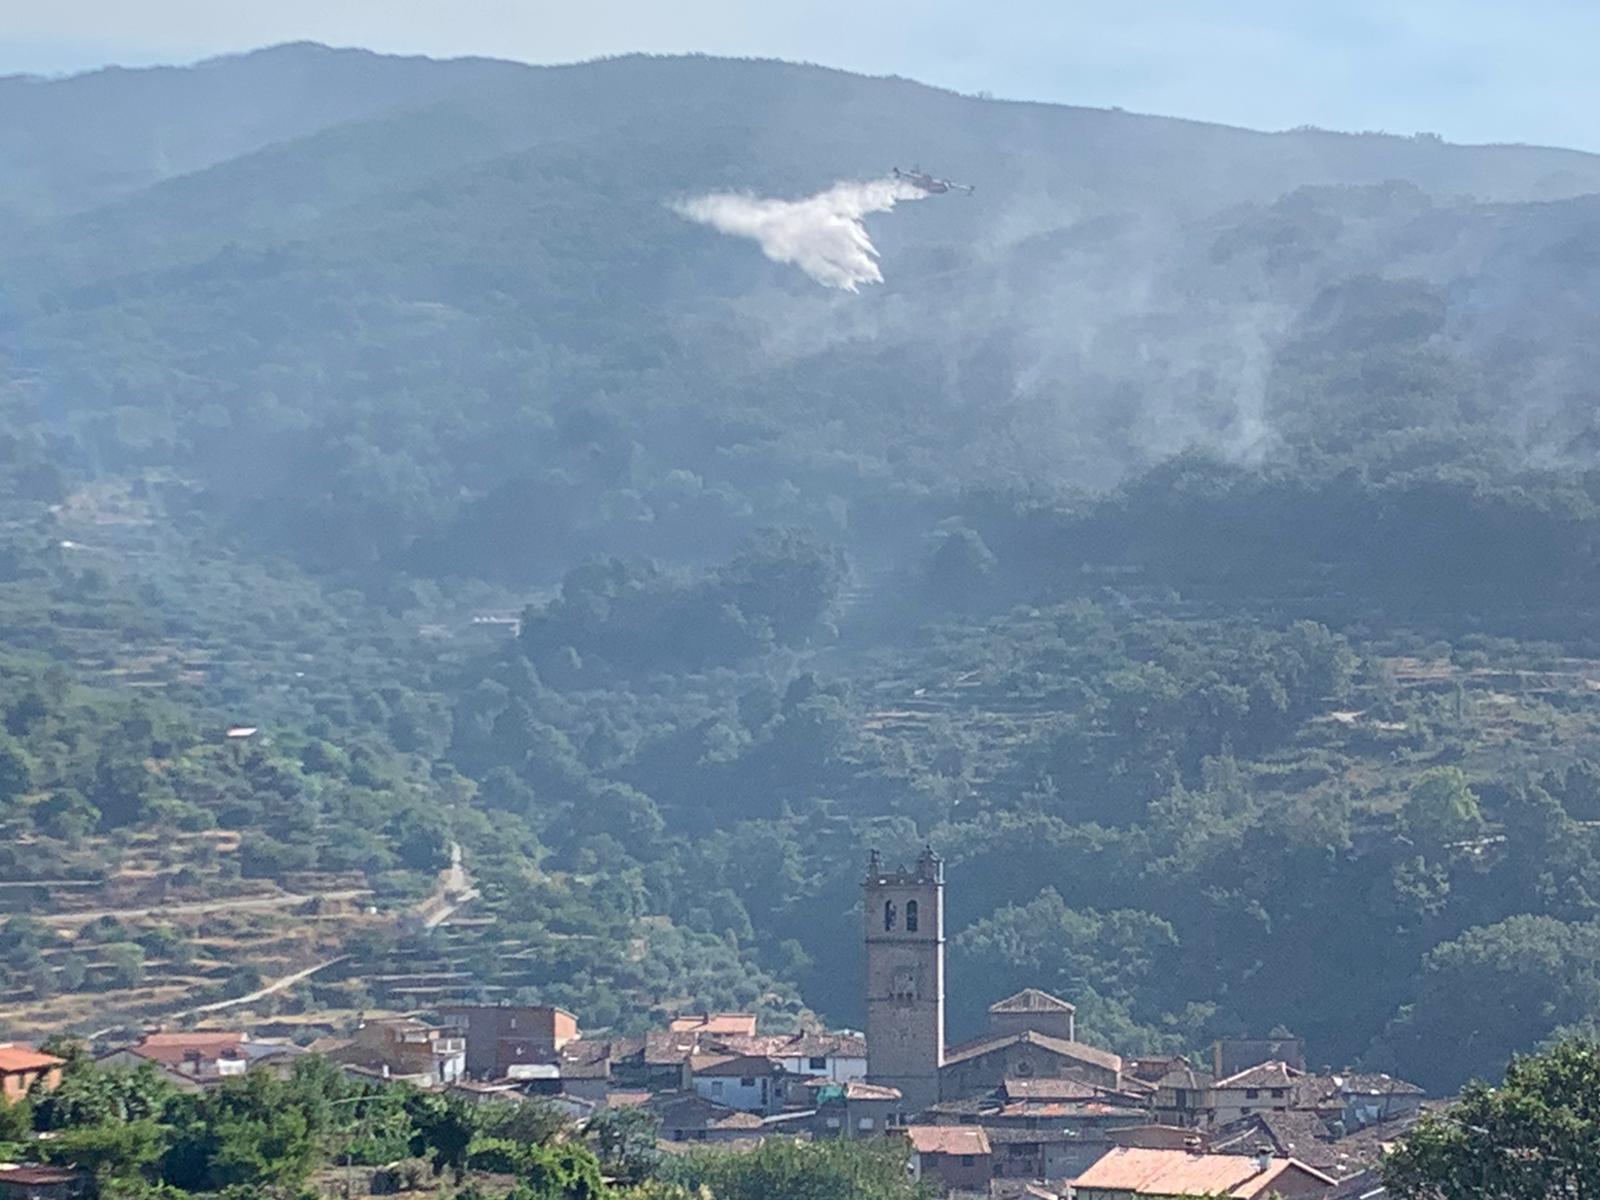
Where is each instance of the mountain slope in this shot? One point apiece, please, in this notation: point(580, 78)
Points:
point(70, 144)
point(400, 330)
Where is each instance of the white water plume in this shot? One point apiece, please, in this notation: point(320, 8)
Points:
point(823, 235)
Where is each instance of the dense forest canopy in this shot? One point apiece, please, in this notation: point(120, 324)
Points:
point(1194, 537)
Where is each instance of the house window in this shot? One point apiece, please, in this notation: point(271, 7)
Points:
point(864, 1123)
point(1251, 1093)
point(716, 1086)
point(911, 916)
point(819, 1064)
point(748, 1081)
point(1277, 1093)
point(1244, 1112)
point(888, 915)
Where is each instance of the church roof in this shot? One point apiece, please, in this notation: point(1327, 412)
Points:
point(1031, 1000)
point(1057, 1046)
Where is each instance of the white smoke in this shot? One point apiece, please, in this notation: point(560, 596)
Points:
point(822, 235)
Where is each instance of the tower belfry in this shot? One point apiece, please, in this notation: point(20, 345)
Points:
point(904, 915)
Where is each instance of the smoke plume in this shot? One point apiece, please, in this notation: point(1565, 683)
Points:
point(823, 235)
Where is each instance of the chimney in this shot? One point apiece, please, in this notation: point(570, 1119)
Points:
point(1263, 1158)
point(1192, 1143)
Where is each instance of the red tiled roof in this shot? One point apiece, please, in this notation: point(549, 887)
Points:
point(682, 1111)
point(17, 1057)
point(792, 1045)
point(40, 1176)
point(1376, 1085)
point(668, 1049)
point(735, 1064)
point(173, 1049)
point(948, 1139)
point(1049, 1089)
point(744, 1023)
point(1275, 1074)
point(1180, 1173)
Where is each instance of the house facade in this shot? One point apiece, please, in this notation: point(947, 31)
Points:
point(200, 1059)
point(952, 1158)
point(498, 1037)
point(746, 1082)
point(854, 1109)
point(21, 1067)
point(406, 1050)
point(1267, 1087)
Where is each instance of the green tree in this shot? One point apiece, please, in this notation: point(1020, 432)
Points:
point(626, 1141)
point(560, 1171)
point(445, 1127)
point(1493, 991)
point(1534, 1137)
point(16, 1120)
point(16, 773)
point(120, 1151)
point(127, 964)
point(835, 1169)
point(252, 1131)
point(1441, 809)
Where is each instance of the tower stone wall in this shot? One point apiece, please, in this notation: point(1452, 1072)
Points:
point(904, 918)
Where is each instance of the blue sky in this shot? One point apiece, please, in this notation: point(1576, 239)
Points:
point(1471, 70)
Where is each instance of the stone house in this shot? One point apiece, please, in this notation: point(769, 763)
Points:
point(498, 1036)
point(1267, 1087)
point(953, 1158)
point(747, 1082)
point(195, 1060)
point(852, 1109)
point(21, 1067)
point(405, 1050)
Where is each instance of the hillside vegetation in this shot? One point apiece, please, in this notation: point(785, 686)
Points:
point(1194, 538)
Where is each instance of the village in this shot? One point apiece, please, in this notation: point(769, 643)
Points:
point(1025, 1109)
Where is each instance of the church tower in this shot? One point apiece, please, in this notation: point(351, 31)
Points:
point(905, 977)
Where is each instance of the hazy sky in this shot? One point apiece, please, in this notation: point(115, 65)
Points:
point(1473, 70)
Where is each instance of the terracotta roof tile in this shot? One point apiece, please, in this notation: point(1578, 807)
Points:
point(1089, 1054)
point(1264, 1075)
point(174, 1049)
point(17, 1057)
point(948, 1139)
point(738, 1023)
point(1180, 1173)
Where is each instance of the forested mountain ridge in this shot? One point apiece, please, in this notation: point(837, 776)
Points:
point(502, 262)
point(70, 144)
point(1194, 536)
